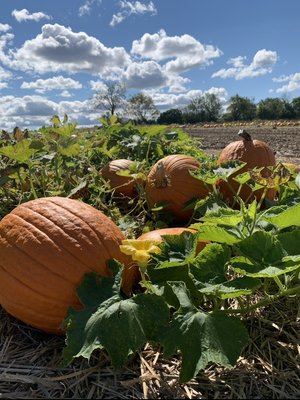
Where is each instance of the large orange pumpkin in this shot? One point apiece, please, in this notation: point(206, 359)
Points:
point(46, 247)
point(169, 180)
point(255, 153)
point(122, 185)
point(159, 233)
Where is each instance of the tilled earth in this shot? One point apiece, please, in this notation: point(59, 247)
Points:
point(284, 140)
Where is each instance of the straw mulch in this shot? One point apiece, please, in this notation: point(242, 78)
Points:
point(269, 367)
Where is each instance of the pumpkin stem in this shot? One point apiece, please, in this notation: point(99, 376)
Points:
point(161, 179)
point(244, 135)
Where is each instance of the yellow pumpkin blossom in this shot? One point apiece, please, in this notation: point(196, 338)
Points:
point(140, 250)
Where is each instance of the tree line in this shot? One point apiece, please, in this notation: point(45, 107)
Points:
point(140, 108)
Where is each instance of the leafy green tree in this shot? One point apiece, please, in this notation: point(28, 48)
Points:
point(110, 98)
point(241, 109)
point(204, 108)
point(272, 108)
point(212, 107)
point(141, 108)
point(172, 116)
point(296, 106)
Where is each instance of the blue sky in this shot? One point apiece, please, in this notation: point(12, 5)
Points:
point(54, 55)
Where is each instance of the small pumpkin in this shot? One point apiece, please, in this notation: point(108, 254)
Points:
point(46, 247)
point(122, 185)
point(159, 233)
point(255, 153)
point(169, 180)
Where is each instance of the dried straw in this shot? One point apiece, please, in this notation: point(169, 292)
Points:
point(269, 367)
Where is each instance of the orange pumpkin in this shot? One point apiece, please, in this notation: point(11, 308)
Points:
point(158, 233)
point(122, 185)
point(255, 153)
point(169, 180)
point(46, 247)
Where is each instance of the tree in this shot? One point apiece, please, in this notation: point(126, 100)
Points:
point(141, 108)
point(296, 106)
point(172, 116)
point(204, 108)
point(110, 98)
point(271, 108)
point(212, 107)
point(241, 109)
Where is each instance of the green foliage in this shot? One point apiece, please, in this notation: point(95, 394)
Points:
point(184, 305)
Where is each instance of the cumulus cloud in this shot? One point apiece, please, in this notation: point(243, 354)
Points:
point(293, 83)
point(184, 51)
point(129, 8)
point(54, 83)
point(24, 15)
point(35, 111)
point(262, 63)
point(5, 76)
point(4, 27)
point(58, 48)
point(165, 101)
point(86, 7)
point(142, 75)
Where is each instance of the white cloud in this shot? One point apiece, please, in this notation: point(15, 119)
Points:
point(4, 77)
point(129, 8)
point(142, 75)
point(293, 83)
point(184, 51)
point(166, 101)
point(54, 83)
point(35, 111)
point(65, 93)
point(4, 27)
point(262, 63)
point(58, 48)
point(86, 7)
point(24, 15)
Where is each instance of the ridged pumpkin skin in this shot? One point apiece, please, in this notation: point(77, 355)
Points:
point(169, 180)
point(255, 153)
point(158, 233)
point(46, 247)
point(122, 185)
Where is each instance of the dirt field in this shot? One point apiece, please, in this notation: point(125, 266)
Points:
point(284, 140)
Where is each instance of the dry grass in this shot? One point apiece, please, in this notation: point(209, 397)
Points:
point(269, 367)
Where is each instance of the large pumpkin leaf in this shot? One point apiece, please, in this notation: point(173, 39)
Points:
point(230, 289)
point(290, 216)
point(209, 265)
point(246, 267)
point(121, 326)
point(202, 337)
point(217, 233)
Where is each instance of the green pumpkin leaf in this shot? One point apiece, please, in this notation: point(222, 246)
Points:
point(224, 216)
point(21, 151)
point(177, 249)
point(261, 247)
point(216, 233)
point(108, 321)
point(244, 266)
point(234, 288)
point(290, 216)
point(201, 337)
point(209, 265)
point(290, 241)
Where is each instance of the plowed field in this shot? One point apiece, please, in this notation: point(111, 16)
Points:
point(284, 140)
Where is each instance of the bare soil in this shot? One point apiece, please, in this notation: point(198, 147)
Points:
point(284, 140)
